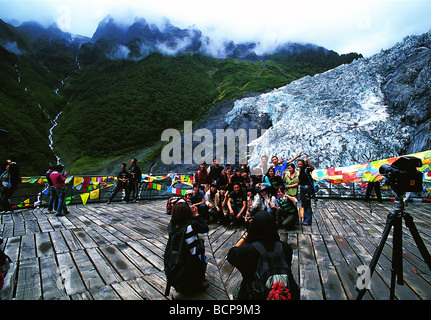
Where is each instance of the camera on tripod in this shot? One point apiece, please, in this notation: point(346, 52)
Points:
point(403, 175)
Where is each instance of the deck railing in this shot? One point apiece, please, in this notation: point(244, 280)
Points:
point(85, 189)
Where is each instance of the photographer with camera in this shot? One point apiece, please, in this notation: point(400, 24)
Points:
point(250, 255)
point(184, 258)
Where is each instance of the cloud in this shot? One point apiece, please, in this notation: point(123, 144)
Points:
point(12, 47)
point(344, 26)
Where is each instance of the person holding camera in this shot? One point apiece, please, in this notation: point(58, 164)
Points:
point(187, 273)
point(245, 255)
point(306, 188)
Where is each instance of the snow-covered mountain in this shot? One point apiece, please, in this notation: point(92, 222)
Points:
point(373, 108)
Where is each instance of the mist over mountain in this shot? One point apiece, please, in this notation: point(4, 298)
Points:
point(138, 40)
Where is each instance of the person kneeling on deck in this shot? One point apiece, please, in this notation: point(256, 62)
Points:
point(184, 258)
point(264, 262)
point(286, 215)
point(237, 204)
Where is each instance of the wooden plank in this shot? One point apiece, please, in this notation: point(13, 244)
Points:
point(334, 252)
point(146, 253)
point(349, 278)
point(58, 242)
point(104, 268)
point(332, 287)
point(72, 280)
point(145, 290)
point(85, 240)
point(44, 245)
point(71, 240)
point(19, 226)
point(105, 293)
point(87, 270)
point(28, 280)
point(305, 247)
point(348, 253)
point(120, 262)
point(309, 282)
point(44, 225)
point(142, 264)
point(28, 247)
point(52, 282)
point(125, 291)
point(320, 250)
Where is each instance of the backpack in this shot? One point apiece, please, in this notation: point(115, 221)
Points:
point(181, 267)
point(273, 279)
point(170, 204)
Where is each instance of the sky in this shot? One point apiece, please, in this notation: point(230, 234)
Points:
point(365, 26)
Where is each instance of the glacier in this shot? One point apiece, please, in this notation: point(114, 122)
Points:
point(372, 108)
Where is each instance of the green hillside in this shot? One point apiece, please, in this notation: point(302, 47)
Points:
point(114, 109)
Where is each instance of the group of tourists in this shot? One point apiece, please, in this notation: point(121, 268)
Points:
point(263, 203)
point(224, 194)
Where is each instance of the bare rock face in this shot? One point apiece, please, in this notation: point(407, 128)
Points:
point(373, 108)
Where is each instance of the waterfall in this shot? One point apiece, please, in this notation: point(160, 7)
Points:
point(50, 137)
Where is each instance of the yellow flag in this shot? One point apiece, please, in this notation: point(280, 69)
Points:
point(77, 181)
point(84, 197)
point(94, 194)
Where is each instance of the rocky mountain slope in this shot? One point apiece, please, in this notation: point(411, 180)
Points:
point(373, 108)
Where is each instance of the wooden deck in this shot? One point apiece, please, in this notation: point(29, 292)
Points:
point(116, 252)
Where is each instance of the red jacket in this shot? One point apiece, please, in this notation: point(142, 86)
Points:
point(201, 177)
point(58, 179)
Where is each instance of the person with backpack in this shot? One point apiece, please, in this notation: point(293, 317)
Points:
point(184, 258)
point(264, 262)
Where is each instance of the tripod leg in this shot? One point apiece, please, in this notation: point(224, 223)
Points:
point(418, 240)
point(397, 256)
point(378, 252)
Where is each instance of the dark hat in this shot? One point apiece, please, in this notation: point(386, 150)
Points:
point(263, 188)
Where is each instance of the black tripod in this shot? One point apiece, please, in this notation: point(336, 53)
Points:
point(394, 220)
